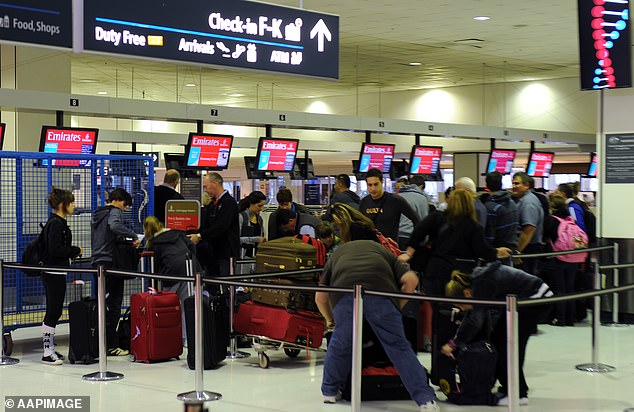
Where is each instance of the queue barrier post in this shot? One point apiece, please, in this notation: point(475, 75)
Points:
point(198, 395)
point(512, 354)
point(615, 296)
point(233, 352)
point(4, 360)
point(595, 366)
point(357, 347)
point(103, 374)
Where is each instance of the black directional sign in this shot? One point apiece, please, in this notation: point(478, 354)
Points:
point(235, 33)
point(46, 22)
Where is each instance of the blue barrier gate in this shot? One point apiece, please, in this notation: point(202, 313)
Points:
point(26, 179)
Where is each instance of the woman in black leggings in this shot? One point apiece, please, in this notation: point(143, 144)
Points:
point(58, 252)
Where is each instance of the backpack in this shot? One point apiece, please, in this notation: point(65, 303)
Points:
point(590, 221)
point(35, 253)
point(570, 237)
point(321, 248)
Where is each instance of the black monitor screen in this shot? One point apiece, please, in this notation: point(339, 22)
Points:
point(208, 151)
point(68, 140)
point(276, 155)
point(540, 163)
point(376, 156)
point(501, 160)
point(592, 169)
point(3, 127)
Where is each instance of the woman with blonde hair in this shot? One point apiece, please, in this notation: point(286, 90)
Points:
point(352, 224)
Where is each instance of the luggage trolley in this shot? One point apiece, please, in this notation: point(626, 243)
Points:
point(276, 328)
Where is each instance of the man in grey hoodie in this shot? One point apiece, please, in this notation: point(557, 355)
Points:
point(106, 226)
point(412, 192)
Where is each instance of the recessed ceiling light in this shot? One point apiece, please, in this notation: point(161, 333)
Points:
point(235, 95)
point(414, 63)
point(102, 92)
point(190, 85)
point(482, 18)
point(87, 81)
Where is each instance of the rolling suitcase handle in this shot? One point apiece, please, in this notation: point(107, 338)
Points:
point(154, 283)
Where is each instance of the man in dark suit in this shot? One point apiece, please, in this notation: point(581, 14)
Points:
point(166, 191)
point(220, 229)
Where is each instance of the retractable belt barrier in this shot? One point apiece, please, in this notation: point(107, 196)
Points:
point(199, 395)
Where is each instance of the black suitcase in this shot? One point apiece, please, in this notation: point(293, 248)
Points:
point(469, 378)
point(215, 331)
point(84, 332)
point(381, 386)
point(445, 322)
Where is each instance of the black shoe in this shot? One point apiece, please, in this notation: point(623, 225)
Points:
point(52, 360)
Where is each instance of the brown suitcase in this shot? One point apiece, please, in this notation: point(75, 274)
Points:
point(285, 253)
point(288, 299)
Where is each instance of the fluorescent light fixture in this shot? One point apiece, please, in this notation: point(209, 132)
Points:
point(190, 85)
point(102, 92)
point(482, 18)
point(235, 95)
point(87, 81)
point(414, 63)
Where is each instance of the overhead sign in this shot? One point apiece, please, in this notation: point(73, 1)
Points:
point(46, 22)
point(234, 33)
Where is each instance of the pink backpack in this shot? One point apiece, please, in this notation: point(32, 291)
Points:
point(569, 237)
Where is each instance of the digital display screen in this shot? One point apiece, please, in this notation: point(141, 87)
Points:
point(425, 160)
point(604, 44)
point(592, 169)
point(376, 156)
point(3, 127)
point(208, 150)
point(540, 163)
point(236, 33)
point(276, 155)
point(68, 140)
point(501, 160)
point(45, 22)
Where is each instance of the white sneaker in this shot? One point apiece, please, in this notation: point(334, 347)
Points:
point(430, 406)
point(333, 399)
point(505, 401)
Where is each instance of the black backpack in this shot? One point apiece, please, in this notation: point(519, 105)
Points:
point(35, 253)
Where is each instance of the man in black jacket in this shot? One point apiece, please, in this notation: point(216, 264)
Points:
point(384, 208)
point(342, 194)
point(502, 214)
point(221, 228)
point(166, 191)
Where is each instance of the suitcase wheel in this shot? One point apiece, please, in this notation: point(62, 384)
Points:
point(291, 353)
point(263, 360)
point(7, 343)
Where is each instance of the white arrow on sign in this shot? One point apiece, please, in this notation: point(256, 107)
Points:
point(320, 30)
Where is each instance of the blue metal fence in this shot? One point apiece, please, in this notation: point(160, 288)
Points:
point(26, 179)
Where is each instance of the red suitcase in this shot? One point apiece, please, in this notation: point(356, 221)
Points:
point(155, 326)
point(304, 328)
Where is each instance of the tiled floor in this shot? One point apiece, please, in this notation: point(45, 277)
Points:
point(293, 384)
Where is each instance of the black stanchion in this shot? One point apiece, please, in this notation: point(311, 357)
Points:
point(4, 360)
point(198, 395)
point(103, 374)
